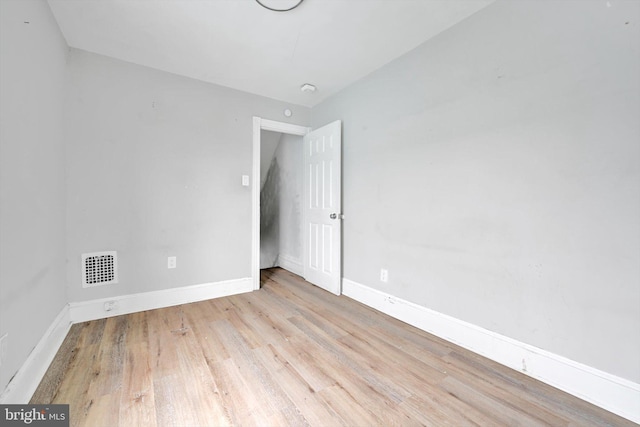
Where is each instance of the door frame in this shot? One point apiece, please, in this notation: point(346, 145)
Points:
point(260, 124)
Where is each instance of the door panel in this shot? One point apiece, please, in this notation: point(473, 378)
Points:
point(323, 203)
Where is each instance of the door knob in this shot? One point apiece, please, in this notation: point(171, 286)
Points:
point(333, 216)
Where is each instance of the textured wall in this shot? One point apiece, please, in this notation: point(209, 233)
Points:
point(281, 204)
point(154, 170)
point(494, 171)
point(32, 177)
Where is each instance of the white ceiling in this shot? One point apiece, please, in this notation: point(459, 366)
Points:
point(239, 44)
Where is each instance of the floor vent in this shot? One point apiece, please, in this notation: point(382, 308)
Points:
point(99, 268)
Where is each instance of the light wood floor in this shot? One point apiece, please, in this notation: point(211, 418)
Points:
point(289, 354)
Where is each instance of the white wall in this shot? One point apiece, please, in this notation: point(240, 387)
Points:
point(32, 183)
point(154, 170)
point(268, 143)
point(281, 203)
point(494, 171)
point(269, 199)
point(289, 155)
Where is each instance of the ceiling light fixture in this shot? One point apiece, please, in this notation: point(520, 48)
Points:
point(277, 9)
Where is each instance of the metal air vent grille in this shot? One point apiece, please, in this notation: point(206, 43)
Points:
point(99, 268)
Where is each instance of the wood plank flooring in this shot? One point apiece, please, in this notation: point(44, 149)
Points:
point(290, 354)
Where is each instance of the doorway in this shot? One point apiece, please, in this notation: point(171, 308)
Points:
point(321, 201)
point(260, 125)
point(281, 201)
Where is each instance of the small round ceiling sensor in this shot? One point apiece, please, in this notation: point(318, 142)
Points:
point(287, 113)
point(308, 88)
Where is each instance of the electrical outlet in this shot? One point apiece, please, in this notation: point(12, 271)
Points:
point(3, 348)
point(110, 305)
point(384, 275)
point(171, 262)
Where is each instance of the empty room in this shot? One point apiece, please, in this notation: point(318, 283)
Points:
point(320, 212)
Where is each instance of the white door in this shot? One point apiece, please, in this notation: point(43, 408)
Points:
point(322, 209)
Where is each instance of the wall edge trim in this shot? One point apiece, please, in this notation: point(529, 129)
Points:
point(22, 386)
point(132, 303)
point(291, 264)
point(25, 382)
point(617, 395)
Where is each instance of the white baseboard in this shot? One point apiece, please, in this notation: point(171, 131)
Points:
point(132, 303)
point(24, 383)
point(291, 264)
point(615, 394)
